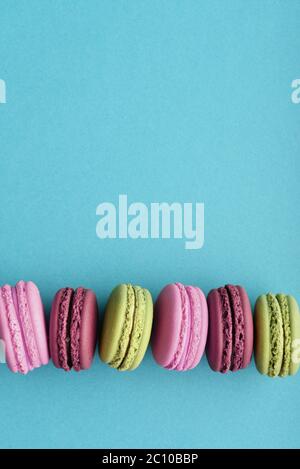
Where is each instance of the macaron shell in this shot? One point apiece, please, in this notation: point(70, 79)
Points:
point(214, 346)
point(202, 310)
point(262, 335)
point(117, 324)
point(295, 334)
point(38, 321)
point(88, 329)
point(198, 326)
point(248, 326)
point(148, 319)
point(167, 325)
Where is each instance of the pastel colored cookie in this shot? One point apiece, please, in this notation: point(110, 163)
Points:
point(126, 327)
point(22, 327)
point(73, 328)
point(230, 331)
point(180, 327)
point(277, 335)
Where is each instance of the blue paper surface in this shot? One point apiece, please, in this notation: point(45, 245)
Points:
point(165, 101)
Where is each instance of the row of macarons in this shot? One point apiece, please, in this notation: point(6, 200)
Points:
point(182, 325)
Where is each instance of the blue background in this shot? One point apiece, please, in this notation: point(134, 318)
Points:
point(163, 101)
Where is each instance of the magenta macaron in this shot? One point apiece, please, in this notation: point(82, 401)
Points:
point(73, 328)
point(230, 332)
point(180, 327)
point(23, 327)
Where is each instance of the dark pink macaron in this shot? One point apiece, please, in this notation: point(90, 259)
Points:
point(230, 331)
point(73, 328)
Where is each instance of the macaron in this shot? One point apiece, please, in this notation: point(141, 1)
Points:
point(126, 327)
point(180, 327)
point(277, 335)
point(73, 328)
point(230, 332)
point(23, 327)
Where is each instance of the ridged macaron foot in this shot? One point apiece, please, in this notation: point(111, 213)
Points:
point(230, 332)
point(126, 327)
point(277, 335)
point(73, 328)
point(180, 327)
point(23, 327)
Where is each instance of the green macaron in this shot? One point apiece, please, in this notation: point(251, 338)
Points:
point(126, 327)
point(277, 335)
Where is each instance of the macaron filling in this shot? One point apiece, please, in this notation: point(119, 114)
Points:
point(69, 322)
point(238, 328)
point(63, 335)
point(276, 336)
point(227, 329)
point(126, 330)
point(76, 313)
point(285, 314)
point(135, 337)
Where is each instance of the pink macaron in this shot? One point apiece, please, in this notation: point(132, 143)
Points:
point(22, 327)
point(180, 327)
point(73, 328)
